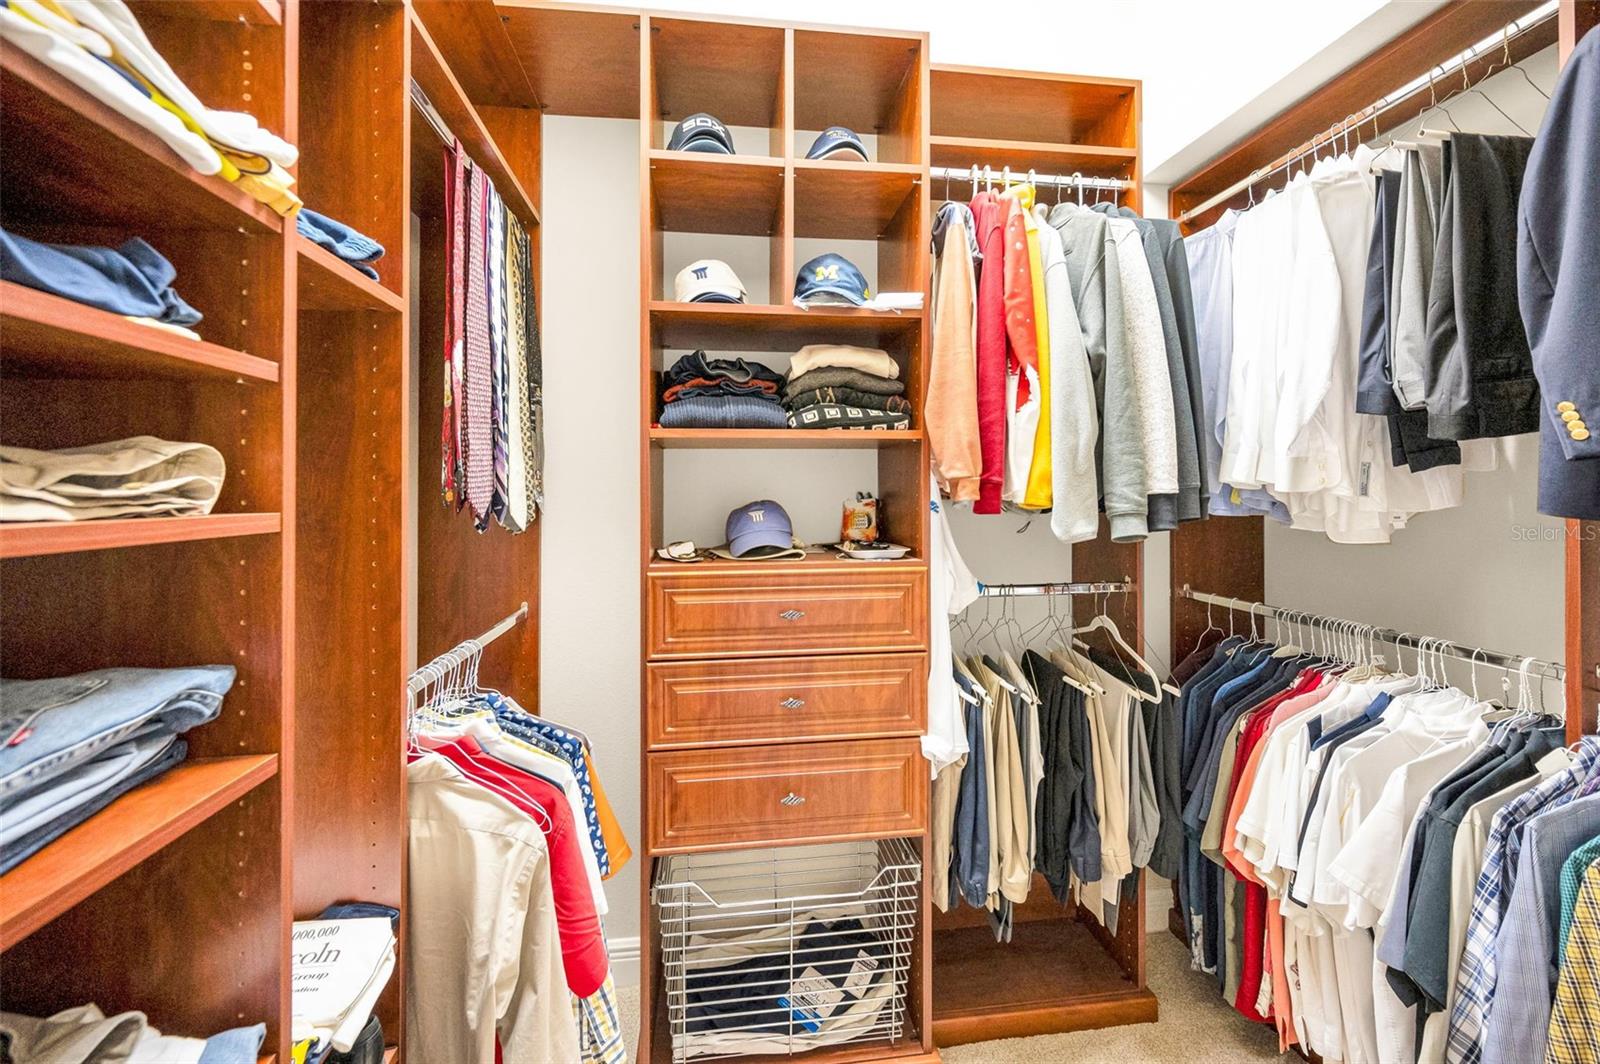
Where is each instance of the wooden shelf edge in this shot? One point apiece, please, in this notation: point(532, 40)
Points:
point(1035, 75)
point(787, 438)
point(757, 311)
point(1082, 1013)
point(252, 215)
point(439, 83)
point(129, 830)
point(700, 158)
point(350, 288)
point(75, 323)
point(846, 166)
point(33, 539)
point(1109, 151)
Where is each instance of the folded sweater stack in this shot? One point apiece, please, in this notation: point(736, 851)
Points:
point(834, 386)
point(698, 392)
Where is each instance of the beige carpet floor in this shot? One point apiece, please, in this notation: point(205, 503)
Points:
point(1196, 1027)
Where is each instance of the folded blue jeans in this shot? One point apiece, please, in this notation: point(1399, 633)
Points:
point(133, 279)
point(48, 727)
point(30, 844)
point(80, 786)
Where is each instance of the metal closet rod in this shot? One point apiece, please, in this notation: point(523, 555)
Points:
point(431, 113)
point(1005, 173)
point(1422, 644)
point(462, 652)
point(1034, 590)
point(1501, 39)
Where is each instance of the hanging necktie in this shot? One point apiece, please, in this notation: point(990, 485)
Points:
point(534, 466)
point(456, 323)
point(447, 428)
point(499, 358)
point(478, 383)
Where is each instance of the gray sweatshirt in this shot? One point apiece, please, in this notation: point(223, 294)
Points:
point(1167, 510)
point(1097, 291)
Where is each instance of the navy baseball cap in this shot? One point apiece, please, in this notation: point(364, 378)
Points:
point(703, 133)
point(761, 526)
point(836, 140)
point(831, 278)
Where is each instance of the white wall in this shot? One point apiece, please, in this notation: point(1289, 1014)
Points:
point(589, 595)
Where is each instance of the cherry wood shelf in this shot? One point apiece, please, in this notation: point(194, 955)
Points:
point(47, 336)
point(759, 327)
point(699, 193)
point(1071, 984)
point(1093, 160)
point(781, 438)
point(444, 91)
point(32, 539)
point(844, 200)
point(249, 12)
point(544, 41)
point(814, 561)
point(988, 102)
point(327, 282)
point(126, 832)
point(69, 156)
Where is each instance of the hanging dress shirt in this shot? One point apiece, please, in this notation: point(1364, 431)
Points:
point(1074, 422)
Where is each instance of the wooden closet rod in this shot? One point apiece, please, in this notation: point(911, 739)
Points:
point(1426, 82)
point(1423, 644)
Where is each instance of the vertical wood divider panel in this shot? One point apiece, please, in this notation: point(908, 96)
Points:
point(650, 524)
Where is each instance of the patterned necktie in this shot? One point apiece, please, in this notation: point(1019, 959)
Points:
point(455, 385)
point(478, 381)
point(447, 428)
point(534, 465)
point(517, 516)
point(498, 354)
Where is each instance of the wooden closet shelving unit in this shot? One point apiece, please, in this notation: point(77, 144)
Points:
point(308, 574)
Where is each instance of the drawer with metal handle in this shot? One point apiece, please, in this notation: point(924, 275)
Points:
point(806, 608)
point(736, 703)
point(798, 792)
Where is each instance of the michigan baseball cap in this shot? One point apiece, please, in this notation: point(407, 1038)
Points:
point(703, 133)
point(837, 140)
point(831, 278)
point(760, 529)
point(708, 281)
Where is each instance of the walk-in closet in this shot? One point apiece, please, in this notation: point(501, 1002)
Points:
point(572, 533)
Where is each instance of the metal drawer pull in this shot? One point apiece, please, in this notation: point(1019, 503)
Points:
point(792, 615)
point(793, 703)
point(791, 799)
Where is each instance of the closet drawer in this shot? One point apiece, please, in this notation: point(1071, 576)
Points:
point(799, 792)
point(800, 610)
point(721, 703)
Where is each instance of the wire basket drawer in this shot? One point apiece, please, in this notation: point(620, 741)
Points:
point(784, 950)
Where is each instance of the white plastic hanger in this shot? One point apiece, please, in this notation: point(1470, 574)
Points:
point(1103, 623)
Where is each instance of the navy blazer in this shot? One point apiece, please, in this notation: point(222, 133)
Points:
point(1558, 284)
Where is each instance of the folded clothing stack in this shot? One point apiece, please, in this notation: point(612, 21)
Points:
point(73, 744)
point(138, 477)
point(85, 1034)
point(99, 46)
point(698, 392)
point(133, 280)
point(342, 962)
point(834, 386)
point(356, 248)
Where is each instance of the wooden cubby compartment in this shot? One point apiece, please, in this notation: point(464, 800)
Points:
point(871, 82)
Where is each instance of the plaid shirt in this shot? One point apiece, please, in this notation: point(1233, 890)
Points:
point(1574, 1020)
point(1476, 977)
point(600, 1026)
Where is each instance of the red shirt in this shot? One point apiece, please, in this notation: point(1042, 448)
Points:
point(583, 948)
point(989, 214)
